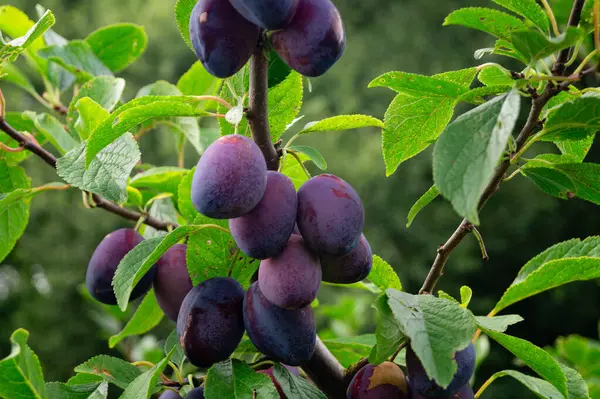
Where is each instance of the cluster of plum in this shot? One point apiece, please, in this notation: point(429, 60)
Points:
point(307, 34)
point(388, 381)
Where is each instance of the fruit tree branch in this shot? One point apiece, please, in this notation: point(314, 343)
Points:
point(33, 146)
point(563, 56)
point(326, 372)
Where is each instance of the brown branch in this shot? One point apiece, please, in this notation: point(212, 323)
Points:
point(33, 146)
point(326, 372)
point(563, 56)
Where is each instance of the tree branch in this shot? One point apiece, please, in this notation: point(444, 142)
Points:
point(326, 372)
point(33, 146)
point(563, 56)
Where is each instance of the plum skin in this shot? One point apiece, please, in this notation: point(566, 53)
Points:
point(330, 215)
point(222, 38)
point(466, 392)
point(169, 395)
point(385, 380)
point(313, 40)
point(196, 393)
point(287, 336)
point(104, 262)
point(172, 281)
point(349, 268)
point(291, 279)
point(425, 386)
point(265, 230)
point(268, 14)
point(230, 178)
point(210, 324)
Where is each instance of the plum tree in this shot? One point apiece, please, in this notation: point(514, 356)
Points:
point(314, 39)
point(104, 262)
point(291, 279)
point(423, 385)
point(330, 215)
point(382, 381)
point(169, 395)
point(268, 14)
point(230, 178)
point(210, 323)
point(222, 38)
point(172, 281)
point(265, 230)
point(285, 335)
point(349, 268)
point(196, 393)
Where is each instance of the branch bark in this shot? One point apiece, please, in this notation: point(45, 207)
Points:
point(559, 66)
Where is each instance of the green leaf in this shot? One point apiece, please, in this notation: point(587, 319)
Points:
point(383, 275)
point(184, 197)
point(466, 293)
point(497, 323)
point(20, 372)
point(235, 91)
point(173, 342)
point(468, 151)
point(342, 122)
point(15, 24)
point(183, 10)
point(421, 203)
point(541, 388)
point(144, 385)
point(586, 177)
point(388, 333)
point(119, 45)
point(582, 352)
point(418, 85)
point(529, 9)
point(165, 179)
point(146, 317)
point(236, 380)
point(23, 124)
point(462, 77)
point(90, 115)
point(495, 75)
point(437, 329)
point(292, 169)
point(13, 218)
point(162, 209)
point(284, 104)
point(577, 150)
point(411, 124)
point(57, 390)
point(107, 174)
point(551, 181)
point(197, 81)
point(76, 57)
point(476, 96)
point(576, 385)
point(536, 358)
point(349, 350)
point(574, 120)
point(535, 45)
point(22, 194)
point(32, 39)
point(53, 131)
point(311, 153)
point(494, 22)
point(114, 370)
point(294, 386)
point(572, 260)
point(11, 74)
point(84, 379)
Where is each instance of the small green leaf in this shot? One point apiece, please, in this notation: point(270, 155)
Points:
point(23, 124)
point(144, 385)
point(292, 169)
point(476, 96)
point(421, 203)
point(171, 343)
point(349, 350)
point(15, 23)
point(53, 131)
point(78, 58)
point(574, 120)
point(312, 153)
point(494, 22)
point(184, 197)
point(578, 150)
point(529, 9)
point(294, 386)
point(388, 333)
point(284, 102)
point(468, 151)
point(465, 296)
point(28, 362)
point(551, 181)
point(117, 46)
point(495, 75)
point(535, 45)
point(114, 370)
point(11, 74)
point(541, 388)
point(235, 91)
point(383, 275)
point(90, 115)
point(13, 218)
point(198, 81)
point(162, 209)
point(165, 179)
point(146, 317)
point(57, 390)
point(418, 85)
point(342, 122)
point(462, 77)
point(497, 323)
point(14, 382)
point(236, 380)
point(183, 10)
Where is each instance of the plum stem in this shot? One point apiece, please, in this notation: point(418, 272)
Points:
point(257, 112)
point(326, 372)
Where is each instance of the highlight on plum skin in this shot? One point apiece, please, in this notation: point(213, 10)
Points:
point(349, 268)
point(210, 324)
point(265, 230)
point(268, 14)
point(382, 381)
point(172, 281)
point(222, 38)
point(291, 279)
point(230, 178)
point(169, 395)
point(285, 335)
point(196, 393)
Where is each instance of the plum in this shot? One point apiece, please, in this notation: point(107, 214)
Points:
point(313, 40)
point(230, 179)
point(291, 279)
point(285, 335)
point(466, 392)
point(169, 395)
point(268, 14)
point(330, 215)
point(196, 393)
point(423, 385)
point(172, 281)
point(103, 265)
point(378, 382)
point(222, 38)
point(210, 324)
point(349, 268)
point(265, 230)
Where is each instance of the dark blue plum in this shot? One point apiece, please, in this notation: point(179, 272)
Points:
point(465, 392)
point(423, 385)
point(314, 39)
point(169, 395)
point(222, 38)
point(210, 324)
point(172, 281)
point(284, 335)
point(196, 393)
point(103, 265)
point(330, 215)
point(378, 382)
point(265, 230)
point(291, 279)
point(268, 14)
point(349, 268)
point(230, 178)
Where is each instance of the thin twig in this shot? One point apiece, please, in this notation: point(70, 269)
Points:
point(4, 147)
point(551, 17)
point(563, 56)
point(479, 237)
point(215, 98)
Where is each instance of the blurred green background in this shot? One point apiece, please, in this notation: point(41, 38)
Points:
point(39, 280)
